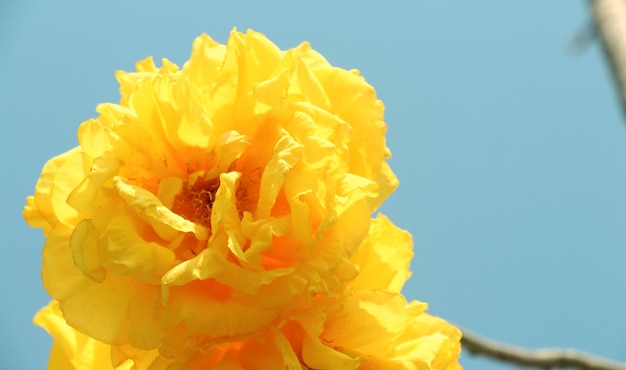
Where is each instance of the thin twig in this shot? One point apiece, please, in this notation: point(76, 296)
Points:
point(610, 22)
point(539, 358)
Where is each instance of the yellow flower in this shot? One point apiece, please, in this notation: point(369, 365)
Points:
point(214, 201)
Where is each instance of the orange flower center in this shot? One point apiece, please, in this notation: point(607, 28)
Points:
point(195, 202)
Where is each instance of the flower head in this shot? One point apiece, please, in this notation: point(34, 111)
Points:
point(214, 201)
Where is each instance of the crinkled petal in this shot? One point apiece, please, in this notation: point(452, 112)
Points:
point(383, 257)
point(91, 192)
point(86, 253)
point(58, 178)
point(72, 349)
point(129, 254)
point(149, 206)
point(287, 154)
point(205, 61)
point(383, 331)
point(214, 315)
point(317, 354)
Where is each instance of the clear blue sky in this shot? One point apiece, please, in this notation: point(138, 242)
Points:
point(510, 149)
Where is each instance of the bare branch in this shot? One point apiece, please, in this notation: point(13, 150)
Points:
point(540, 358)
point(610, 21)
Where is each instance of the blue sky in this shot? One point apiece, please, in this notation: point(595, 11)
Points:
point(510, 147)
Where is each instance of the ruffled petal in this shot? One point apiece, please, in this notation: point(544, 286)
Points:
point(383, 257)
point(213, 314)
point(58, 178)
point(148, 206)
point(73, 350)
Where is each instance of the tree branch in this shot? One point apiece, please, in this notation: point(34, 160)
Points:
point(610, 23)
point(540, 358)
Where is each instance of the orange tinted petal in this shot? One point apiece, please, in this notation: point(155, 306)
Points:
point(216, 316)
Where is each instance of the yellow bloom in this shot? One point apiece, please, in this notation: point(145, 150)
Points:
point(214, 201)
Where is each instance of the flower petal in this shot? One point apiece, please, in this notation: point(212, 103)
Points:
point(161, 218)
point(383, 257)
point(90, 193)
point(213, 315)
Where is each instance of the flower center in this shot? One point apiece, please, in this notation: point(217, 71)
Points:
point(195, 202)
